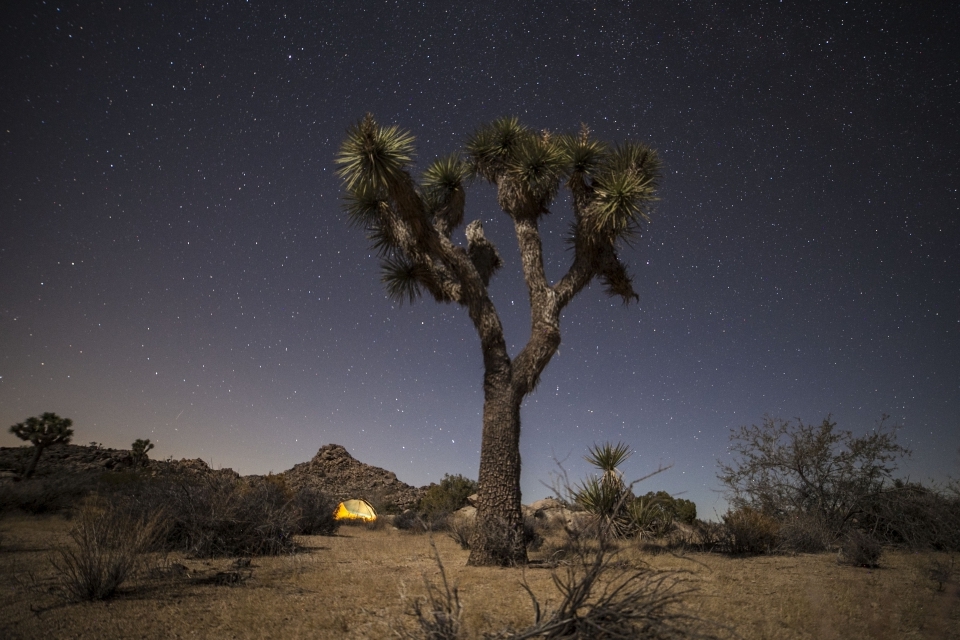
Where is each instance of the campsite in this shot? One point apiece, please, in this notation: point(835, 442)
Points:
point(365, 567)
point(361, 583)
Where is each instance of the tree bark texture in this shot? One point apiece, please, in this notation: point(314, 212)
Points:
point(499, 536)
point(34, 459)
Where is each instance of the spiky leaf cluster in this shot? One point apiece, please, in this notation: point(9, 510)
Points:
point(382, 199)
point(44, 430)
point(607, 457)
point(608, 498)
point(612, 190)
point(374, 156)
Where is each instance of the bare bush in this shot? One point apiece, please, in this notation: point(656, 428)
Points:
point(49, 494)
point(751, 532)
point(461, 528)
point(942, 571)
point(315, 513)
point(915, 516)
point(783, 469)
point(439, 615)
point(860, 549)
point(221, 515)
point(805, 533)
point(108, 543)
point(603, 596)
point(709, 537)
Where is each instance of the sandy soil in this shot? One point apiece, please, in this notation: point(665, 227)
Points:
point(360, 583)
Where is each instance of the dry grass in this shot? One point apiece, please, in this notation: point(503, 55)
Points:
point(360, 584)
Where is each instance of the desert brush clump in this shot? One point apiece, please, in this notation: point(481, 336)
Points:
point(784, 469)
point(44, 495)
point(604, 597)
point(602, 594)
point(315, 510)
point(222, 515)
point(440, 500)
point(750, 531)
point(804, 533)
point(860, 549)
point(916, 516)
point(439, 614)
point(108, 543)
point(460, 529)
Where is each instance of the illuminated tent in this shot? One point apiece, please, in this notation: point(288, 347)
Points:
point(355, 510)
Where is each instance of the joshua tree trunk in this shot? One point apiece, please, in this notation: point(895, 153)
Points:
point(499, 537)
point(32, 466)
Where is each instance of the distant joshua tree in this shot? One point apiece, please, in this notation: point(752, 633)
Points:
point(411, 224)
point(43, 431)
point(138, 450)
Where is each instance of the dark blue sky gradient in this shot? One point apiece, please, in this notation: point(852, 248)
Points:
point(174, 263)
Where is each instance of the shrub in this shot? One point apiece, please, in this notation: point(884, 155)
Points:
point(709, 537)
point(860, 549)
point(805, 533)
point(439, 615)
point(461, 529)
point(602, 596)
point(781, 468)
point(649, 516)
point(750, 531)
point(533, 530)
point(942, 572)
point(315, 511)
point(915, 516)
point(107, 545)
point(677, 509)
point(409, 520)
point(607, 497)
point(221, 515)
point(45, 495)
point(448, 496)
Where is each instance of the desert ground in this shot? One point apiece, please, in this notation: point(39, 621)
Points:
point(363, 581)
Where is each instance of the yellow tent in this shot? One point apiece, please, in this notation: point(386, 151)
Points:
point(355, 510)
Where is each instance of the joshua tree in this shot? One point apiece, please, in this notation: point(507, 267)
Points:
point(411, 225)
point(138, 451)
point(43, 431)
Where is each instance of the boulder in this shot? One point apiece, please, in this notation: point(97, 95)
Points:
point(335, 472)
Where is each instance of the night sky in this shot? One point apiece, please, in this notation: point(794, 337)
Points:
point(175, 263)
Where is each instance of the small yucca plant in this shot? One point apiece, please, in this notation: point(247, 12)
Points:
point(607, 497)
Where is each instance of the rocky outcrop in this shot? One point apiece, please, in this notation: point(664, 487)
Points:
point(336, 473)
point(72, 459)
point(332, 471)
point(61, 459)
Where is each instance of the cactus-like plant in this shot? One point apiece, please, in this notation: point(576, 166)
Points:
point(42, 431)
point(138, 450)
point(607, 497)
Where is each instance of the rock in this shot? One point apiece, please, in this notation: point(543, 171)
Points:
point(332, 471)
point(466, 512)
point(335, 472)
point(546, 503)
